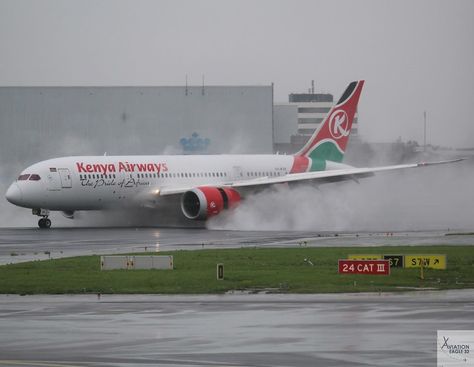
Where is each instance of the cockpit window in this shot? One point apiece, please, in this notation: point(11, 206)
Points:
point(23, 177)
point(35, 177)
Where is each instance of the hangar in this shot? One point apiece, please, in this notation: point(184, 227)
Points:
point(42, 122)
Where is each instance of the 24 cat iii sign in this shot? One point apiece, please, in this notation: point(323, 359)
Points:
point(373, 267)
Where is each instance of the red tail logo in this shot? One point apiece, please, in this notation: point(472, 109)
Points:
point(339, 124)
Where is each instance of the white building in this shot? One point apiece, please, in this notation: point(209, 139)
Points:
point(312, 108)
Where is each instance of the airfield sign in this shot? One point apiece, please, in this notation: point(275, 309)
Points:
point(371, 267)
point(396, 261)
point(365, 257)
point(427, 261)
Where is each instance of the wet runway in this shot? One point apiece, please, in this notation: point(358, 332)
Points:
point(230, 330)
point(24, 244)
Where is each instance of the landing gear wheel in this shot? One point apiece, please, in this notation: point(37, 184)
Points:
point(44, 223)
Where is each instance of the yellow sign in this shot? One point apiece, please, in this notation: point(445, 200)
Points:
point(428, 261)
point(364, 257)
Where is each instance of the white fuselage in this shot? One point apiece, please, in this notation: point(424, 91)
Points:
point(101, 182)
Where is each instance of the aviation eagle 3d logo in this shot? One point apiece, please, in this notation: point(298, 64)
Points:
point(455, 348)
point(339, 124)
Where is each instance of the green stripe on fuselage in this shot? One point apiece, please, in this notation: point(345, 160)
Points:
point(318, 165)
point(327, 151)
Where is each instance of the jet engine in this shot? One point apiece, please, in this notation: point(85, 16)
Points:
point(206, 201)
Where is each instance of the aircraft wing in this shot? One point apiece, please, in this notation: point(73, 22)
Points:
point(315, 177)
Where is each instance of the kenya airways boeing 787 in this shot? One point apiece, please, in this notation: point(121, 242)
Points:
point(206, 184)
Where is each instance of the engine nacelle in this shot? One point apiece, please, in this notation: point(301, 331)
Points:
point(205, 201)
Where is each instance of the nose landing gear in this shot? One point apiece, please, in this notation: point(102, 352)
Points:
point(44, 222)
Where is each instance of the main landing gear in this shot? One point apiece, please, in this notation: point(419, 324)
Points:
point(44, 222)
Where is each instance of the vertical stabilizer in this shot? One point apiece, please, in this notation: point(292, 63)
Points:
point(329, 141)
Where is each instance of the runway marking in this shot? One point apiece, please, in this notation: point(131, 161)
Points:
point(61, 363)
point(36, 363)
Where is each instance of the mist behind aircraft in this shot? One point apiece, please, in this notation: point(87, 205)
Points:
point(433, 198)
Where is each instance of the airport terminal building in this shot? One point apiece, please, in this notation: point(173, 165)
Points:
point(41, 122)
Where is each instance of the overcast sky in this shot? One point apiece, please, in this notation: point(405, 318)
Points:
point(414, 55)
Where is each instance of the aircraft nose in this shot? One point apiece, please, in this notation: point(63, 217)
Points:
point(14, 194)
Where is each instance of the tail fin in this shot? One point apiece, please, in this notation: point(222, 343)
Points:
point(329, 141)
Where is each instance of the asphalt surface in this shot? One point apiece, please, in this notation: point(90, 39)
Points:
point(230, 330)
point(25, 244)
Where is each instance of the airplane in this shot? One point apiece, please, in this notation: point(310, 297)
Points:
point(205, 184)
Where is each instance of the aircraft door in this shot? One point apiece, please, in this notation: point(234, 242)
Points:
point(53, 180)
point(237, 173)
point(65, 176)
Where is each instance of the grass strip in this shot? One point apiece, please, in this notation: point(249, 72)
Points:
point(281, 270)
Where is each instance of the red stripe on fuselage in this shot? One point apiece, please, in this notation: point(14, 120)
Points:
point(300, 164)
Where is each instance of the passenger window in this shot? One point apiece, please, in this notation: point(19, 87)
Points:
point(35, 177)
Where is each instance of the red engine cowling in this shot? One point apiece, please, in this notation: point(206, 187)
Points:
point(205, 201)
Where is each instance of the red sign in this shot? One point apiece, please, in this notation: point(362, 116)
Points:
point(374, 267)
